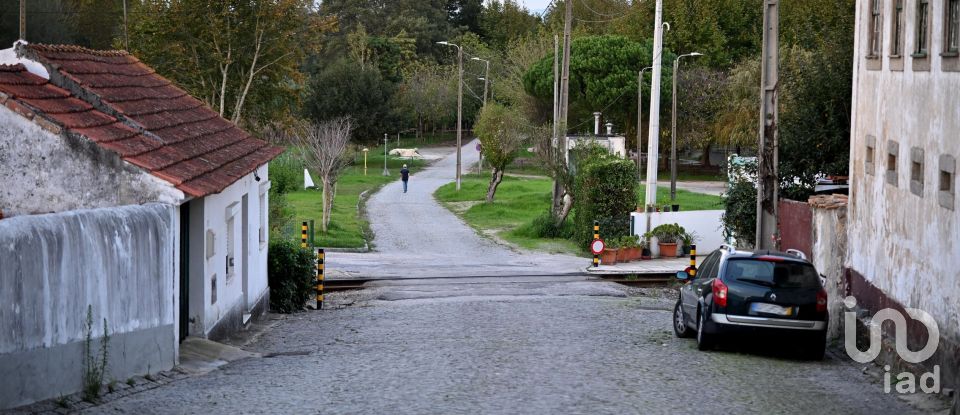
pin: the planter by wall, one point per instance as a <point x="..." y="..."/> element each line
<point x="668" y="250"/>
<point x="608" y="257"/>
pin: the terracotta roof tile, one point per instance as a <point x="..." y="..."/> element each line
<point x="185" y="142"/>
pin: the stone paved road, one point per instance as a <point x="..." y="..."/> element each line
<point x="417" y="237"/>
<point x="518" y="345"/>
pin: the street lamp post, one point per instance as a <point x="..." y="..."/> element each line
<point x="673" y="134"/>
<point x="459" y="104"/>
<point x="386" y="143"/>
<point x="486" y="76"/>
<point x="640" y="122"/>
<point x="365" y="151"/>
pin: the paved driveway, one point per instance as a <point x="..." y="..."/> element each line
<point x="533" y="345"/>
<point x="417" y="237"/>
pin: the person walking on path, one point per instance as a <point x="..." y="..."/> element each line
<point x="405" y="177"/>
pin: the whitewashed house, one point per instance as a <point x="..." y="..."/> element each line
<point x="903" y="234"/>
<point x="95" y="130"/>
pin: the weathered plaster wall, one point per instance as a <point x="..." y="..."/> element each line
<point x="904" y="243"/>
<point x="708" y="224"/>
<point x="220" y="298"/>
<point x="44" y="172"/>
<point x="119" y="261"/>
<point x="828" y="251"/>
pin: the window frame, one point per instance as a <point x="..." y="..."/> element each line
<point x="896" y="34"/>
<point x="948" y="167"/>
<point x="893" y="158"/>
<point x="917" y="171"/>
<point x="951" y="28"/>
<point x="875" y="38"/>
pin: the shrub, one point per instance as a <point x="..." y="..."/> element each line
<point x="740" y="205"/>
<point x="286" y="174"/>
<point x="669" y="233"/>
<point x="544" y="226"/>
<point x="291" y="275"/>
<point x="606" y="192"/>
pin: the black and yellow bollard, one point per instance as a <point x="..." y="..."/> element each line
<point x="596" y="236"/>
<point x="320" y="257"/>
<point x="693" y="261"/>
<point x="303" y="235"/>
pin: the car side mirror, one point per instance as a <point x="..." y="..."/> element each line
<point x="683" y="276"/>
<point x="823" y="280"/>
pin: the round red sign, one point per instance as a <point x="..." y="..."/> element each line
<point x="597" y="246"/>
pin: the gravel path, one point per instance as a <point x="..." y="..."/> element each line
<point x="529" y="346"/>
<point x="416" y="237"/>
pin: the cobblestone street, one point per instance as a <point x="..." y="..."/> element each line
<point x="521" y="345"/>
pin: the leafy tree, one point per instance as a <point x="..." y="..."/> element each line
<point x="88" y="23"/>
<point x="324" y="148"/>
<point x="502" y="21"/>
<point x="341" y="89"/>
<point x="465" y="14"/>
<point x="700" y="94"/>
<point x="427" y="97"/>
<point x="501" y="132"/>
<point x="737" y="122"/>
<point x="241" y="56"/>
<point x="603" y="78"/>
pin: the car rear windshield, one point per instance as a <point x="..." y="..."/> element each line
<point x="785" y="274"/>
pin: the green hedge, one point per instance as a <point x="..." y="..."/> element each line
<point x="291" y="275"/>
<point x="605" y="191"/>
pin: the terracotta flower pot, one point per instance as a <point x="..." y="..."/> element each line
<point x="623" y="255"/>
<point x="668" y="250"/>
<point x="608" y="257"/>
<point x="634" y="254"/>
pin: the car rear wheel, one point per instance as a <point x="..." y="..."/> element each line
<point x="704" y="340"/>
<point x="680" y="327"/>
<point x="816" y="346"/>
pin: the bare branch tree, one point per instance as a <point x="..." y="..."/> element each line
<point x="324" y="147"/>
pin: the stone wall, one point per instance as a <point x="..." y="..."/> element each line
<point x="119" y="262"/>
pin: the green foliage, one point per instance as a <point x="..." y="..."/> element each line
<point x="629" y="241"/>
<point x="286" y="173"/>
<point x="669" y="233"/>
<point x="500" y="130"/>
<point x="605" y="191"/>
<point x="94" y="365"/>
<point x="740" y="212"/>
<point x="291" y="275"/>
<point x="603" y="76"/>
<point x="341" y="89"/>
<point x="502" y="21"/>
<point x="544" y="226"/>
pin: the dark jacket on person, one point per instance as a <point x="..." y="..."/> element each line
<point x="404" y="174"/>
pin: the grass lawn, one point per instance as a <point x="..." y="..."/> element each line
<point x="347" y="228"/>
<point x="520" y="200"/>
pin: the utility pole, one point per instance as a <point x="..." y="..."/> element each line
<point x="768" y="181"/>
<point x="673" y="130"/>
<point x="459" y="105"/>
<point x="23" y="19"/>
<point x="640" y="122"/>
<point x="562" y="106"/>
<point x="653" y="138"/>
<point x="555" y="140"/>
<point x="126" y="39"/>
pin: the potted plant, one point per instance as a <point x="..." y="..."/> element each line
<point x="623" y="254"/>
<point x="645" y="252"/>
<point x="633" y="242"/>
<point x="609" y="255"/>
<point x="689" y="238"/>
<point x="668" y="235"/>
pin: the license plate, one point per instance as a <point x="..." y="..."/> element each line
<point x="771" y="309"/>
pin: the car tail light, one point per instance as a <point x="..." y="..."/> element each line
<point x="719" y="292"/>
<point x="822" y="301"/>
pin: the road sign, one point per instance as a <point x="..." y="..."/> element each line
<point x="597" y="246"/>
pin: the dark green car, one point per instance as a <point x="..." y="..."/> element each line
<point x="766" y="292"/>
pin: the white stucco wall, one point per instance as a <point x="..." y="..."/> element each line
<point x="235" y="295"/>
<point x="45" y="172"/>
<point x="119" y="261"/>
<point x="905" y="244"/>
<point x="708" y="224"/>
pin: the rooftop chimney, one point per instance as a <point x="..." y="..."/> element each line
<point x="596" y="123"/>
<point x="609" y="128"/>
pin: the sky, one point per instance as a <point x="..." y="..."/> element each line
<point x="536" y="6"/>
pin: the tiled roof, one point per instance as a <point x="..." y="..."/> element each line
<point x="183" y="141"/>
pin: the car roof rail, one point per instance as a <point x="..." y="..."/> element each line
<point x="729" y="248"/>
<point x="797" y="253"/>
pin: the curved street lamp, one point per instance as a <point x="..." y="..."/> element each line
<point x="459" y="104"/>
<point x="673" y="134"/>
<point x="640" y="121"/>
